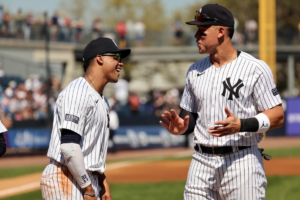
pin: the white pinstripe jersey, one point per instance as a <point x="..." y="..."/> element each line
<point x="81" y="109"/>
<point x="2" y="128"/>
<point x="245" y="85"/>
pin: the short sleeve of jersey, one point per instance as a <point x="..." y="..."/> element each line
<point x="188" y="101"/>
<point x="2" y="128"/>
<point x="265" y="91"/>
<point x="74" y="107"/>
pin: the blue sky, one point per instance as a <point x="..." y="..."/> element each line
<point x="38" y="6"/>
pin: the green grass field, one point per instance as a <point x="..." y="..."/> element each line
<point x="288" y="152"/>
<point x="18" y="171"/>
<point x="279" y="188"/>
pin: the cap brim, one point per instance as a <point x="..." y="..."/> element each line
<point x="201" y="23"/>
<point x="123" y="52"/>
<point x="206" y="23"/>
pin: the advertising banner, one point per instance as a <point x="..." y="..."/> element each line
<point x="131" y="137"/>
<point x="146" y="137"/>
<point x="28" y="138"/>
<point x="293" y="117"/>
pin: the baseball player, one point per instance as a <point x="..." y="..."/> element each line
<point x="2" y="139"/>
<point x="229" y="100"/>
<point x="79" y="137"/>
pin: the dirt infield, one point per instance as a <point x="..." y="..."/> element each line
<point x="138" y="172"/>
<point x="145" y="172"/>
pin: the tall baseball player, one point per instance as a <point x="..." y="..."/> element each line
<point x="2" y="139"/>
<point x="229" y="100"/>
<point x="79" y="137"/>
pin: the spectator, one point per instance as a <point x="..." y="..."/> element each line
<point x="2" y="73"/>
<point x="1" y="19"/>
<point x="159" y="102"/>
<point x="54" y="26"/>
<point x="43" y="21"/>
<point x="19" y="22"/>
<point x="178" y="31"/>
<point x="121" y="91"/>
<point x="251" y="29"/>
<point x="5" y="27"/>
<point x="27" y="26"/>
<point x="79" y="24"/>
<point x="113" y="126"/>
<point x="134" y="103"/>
<point x="121" y="31"/>
<point x="139" y="30"/>
<point x="62" y="29"/>
<point x="97" y="28"/>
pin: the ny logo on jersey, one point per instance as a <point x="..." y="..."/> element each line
<point x="227" y="86"/>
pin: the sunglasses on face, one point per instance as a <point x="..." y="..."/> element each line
<point x="200" y="17"/>
<point x="117" y="56"/>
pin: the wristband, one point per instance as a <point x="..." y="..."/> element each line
<point x="91" y="195"/>
<point x="258" y="124"/>
<point x="249" y="125"/>
<point x="264" y="122"/>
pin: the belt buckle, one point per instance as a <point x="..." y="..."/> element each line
<point x="213" y="150"/>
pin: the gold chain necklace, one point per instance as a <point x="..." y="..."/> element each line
<point x="91" y="82"/>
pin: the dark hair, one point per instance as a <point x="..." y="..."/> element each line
<point x="86" y="64"/>
<point x="230" y="31"/>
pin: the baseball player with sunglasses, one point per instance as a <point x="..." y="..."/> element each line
<point x="229" y="100"/>
<point x="79" y="137"/>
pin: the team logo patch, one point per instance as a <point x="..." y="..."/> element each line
<point x="275" y="91"/>
<point x="85" y="178"/>
<point x="227" y="86"/>
<point x="72" y="118"/>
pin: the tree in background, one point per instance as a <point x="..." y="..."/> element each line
<point x="150" y="12"/>
<point x="76" y="8"/>
<point x="287" y="16"/>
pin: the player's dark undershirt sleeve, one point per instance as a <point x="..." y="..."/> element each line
<point x="68" y="136"/>
<point x="2" y="144"/>
<point x="192" y="120"/>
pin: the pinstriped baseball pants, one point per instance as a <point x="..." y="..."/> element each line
<point x="239" y="176"/>
<point x="57" y="183"/>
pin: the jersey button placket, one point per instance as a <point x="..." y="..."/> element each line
<point x="213" y="99"/>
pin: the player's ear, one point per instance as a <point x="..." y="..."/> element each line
<point x="99" y="59"/>
<point x="221" y="30"/>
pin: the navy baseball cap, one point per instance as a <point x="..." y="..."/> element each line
<point x="101" y="46"/>
<point x="213" y="14"/>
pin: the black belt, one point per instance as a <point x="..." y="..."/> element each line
<point x="219" y="150"/>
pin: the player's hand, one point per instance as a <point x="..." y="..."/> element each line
<point x="174" y="124"/>
<point x="89" y="189"/>
<point x="229" y="126"/>
<point x="105" y="193"/>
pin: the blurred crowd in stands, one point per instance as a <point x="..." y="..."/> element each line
<point x="31" y="99"/>
<point x="62" y="28"/>
<point x="28" y="99"/>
